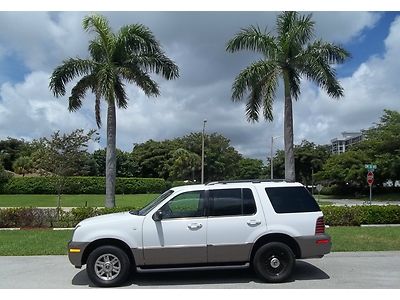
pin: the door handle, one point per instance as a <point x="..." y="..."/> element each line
<point x="195" y="226"/>
<point x="253" y="222"/>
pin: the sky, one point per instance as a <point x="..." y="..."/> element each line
<point x="33" y="43"/>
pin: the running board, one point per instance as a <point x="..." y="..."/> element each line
<point x="194" y="268"/>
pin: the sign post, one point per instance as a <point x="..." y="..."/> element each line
<point x="319" y="188"/>
<point x="370" y="179"/>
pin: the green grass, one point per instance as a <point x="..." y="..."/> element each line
<point x="34" y="242"/>
<point x="365" y="238"/>
<point x="137" y="200"/>
<point x="49" y="242"/>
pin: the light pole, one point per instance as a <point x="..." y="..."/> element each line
<point x="272" y="154"/>
<point x="202" y="151"/>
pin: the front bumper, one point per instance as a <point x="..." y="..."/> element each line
<point x="314" y="245"/>
<point x="75" y="253"/>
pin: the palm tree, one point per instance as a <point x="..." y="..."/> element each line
<point x="129" y="55"/>
<point x="290" y="54"/>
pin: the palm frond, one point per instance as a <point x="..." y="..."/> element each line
<point x="259" y="80"/>
<point x="315" y="62"/>
<point x="70" y="69"/>
<point x="252" y="38"/>
<point x="294" y="82"/>
<point x="78" y="92"/>
<point x="156" y="62"/>
<point x="133" y="74"/>
<point x="99" y="24"/>
<point x="259" y="70"/>
<point x="97" y="51"/>
<point x="329" y="52"/>
<point x="120" y="94"/>
<point x="136" y="38"/>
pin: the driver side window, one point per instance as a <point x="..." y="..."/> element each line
<point x="185" y="205"/>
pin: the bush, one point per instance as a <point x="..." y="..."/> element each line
<point x="357" y="215"/>
<point x="81" y="185"/>
<point x="334" y="215"/>
<point x="27" y="217"/>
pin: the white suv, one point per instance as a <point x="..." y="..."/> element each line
<point x="263" y="224"/>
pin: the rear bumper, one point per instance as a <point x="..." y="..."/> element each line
<point x="75" y="253"/>
<point x="314" y="246"/>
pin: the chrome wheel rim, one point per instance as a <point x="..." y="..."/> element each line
<point x="107" y="267"/>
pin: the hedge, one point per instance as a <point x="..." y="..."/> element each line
<point x="334" y="215"/>
<point x="357" y="215"/>
<point x="82" y="185"/>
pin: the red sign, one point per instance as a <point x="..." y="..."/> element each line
<point x="370" y="178"/>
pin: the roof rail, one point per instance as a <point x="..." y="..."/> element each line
<point x="246" y="180"/>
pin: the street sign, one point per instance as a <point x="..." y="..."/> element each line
<point x="370" y="167"/>
<point x="319" y="187"/>
<point x="370" y="177"/>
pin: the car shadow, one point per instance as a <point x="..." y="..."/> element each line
<point x="303" y="271"/>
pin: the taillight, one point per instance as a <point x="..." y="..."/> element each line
<point x="320" y="226"/>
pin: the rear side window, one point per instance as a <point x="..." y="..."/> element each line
<point x="232" y="202"/>
<point x="291" y="200"/>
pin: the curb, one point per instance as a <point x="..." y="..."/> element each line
<point x="380" y="225"/>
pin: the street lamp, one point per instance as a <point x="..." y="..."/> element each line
<point x="272" y="153"/>
<point x="202" y="151"/>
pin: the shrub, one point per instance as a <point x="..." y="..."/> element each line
<point x="334" y="215"/>
<point x="27" y="217"/>
<point x="81" y="185"/>
<point x="357" y="215"/>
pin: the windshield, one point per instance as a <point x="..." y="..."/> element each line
<point x="154" y="203"/>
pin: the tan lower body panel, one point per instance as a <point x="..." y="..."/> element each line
<point x="194" y="255"/>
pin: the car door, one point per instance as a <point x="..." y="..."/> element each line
<point x="233" y="223"/>
<point x="180" y="236"/>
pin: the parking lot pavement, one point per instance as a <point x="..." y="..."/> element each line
<point x="336" y="270"/>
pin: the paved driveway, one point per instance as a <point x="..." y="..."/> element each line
<point x="336" y="270"/>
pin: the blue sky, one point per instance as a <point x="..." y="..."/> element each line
<point x="32" y="44"/>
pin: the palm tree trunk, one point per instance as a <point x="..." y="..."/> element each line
<point x="290" y="174"/>
<point x="111" y="155"/>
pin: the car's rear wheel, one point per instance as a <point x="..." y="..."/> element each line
<point x="108" y="266"/>
<point x="274" y="262"/>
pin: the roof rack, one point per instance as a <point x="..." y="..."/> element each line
<point x="246" y="180"/>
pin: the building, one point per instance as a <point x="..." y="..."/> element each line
<point x="341" y="145"/>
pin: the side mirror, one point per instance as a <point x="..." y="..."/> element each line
<point x="158" y="215"/>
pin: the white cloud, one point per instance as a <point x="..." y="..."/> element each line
<point x="29" y="110"/>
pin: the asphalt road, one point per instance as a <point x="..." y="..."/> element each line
<point x="336" y="270"/>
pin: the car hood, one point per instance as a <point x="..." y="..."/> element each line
<point x="109" y="218"/>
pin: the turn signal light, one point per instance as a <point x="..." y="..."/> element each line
<point x="74" y="250"/>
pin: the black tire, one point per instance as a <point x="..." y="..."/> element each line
<point x="112" y="269"/>
<point x="274" y="262"/>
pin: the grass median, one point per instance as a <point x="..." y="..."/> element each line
<point x="51" y="242"/>
<point x="23" y="200"/>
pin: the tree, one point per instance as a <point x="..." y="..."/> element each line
<point x="250" y="168"/>
<point x="62" y="155"/>
<point x="4" y="175"/>
<point x="184" y="164"/>
<point x="128" y="55"/>
<point x="290" y="55"/>
<point x="309" y="158"/>
<point x="23" y="165"/>
<point x="11" y="149"/>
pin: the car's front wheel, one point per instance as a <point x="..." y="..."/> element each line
<point x="274" y="262"/>
<point x="108" y="266"/>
